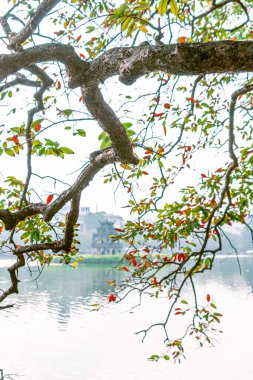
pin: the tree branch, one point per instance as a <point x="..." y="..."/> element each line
<point x="132" y="63"/>
<point x="37" y="16"/>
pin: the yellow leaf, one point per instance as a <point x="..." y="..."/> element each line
<point x="66" y="24"/>
<point x="74" y="265"/>
<point x="125" y="24"/>
<point x="143" y="29"/>
<point x="125" y="166"/>
<point x="162" y="7"/>
<point x="173" y="7"/>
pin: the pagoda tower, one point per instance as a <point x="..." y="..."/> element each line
<point x="102" y="243"/>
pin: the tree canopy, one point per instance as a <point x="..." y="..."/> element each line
<point x="175" y="135"/>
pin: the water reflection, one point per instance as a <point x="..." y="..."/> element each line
<point x="51" y="326"/>
<point x="61" y="290"/>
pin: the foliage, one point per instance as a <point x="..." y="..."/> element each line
<point x="191" y="133"/>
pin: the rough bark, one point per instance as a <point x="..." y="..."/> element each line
<point x="134" y="62"/>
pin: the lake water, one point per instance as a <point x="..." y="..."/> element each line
<point x="50" y="334"/>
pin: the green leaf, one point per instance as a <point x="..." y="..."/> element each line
<point x="66" y="150"/>
<point x="105" y="143"/>
<point x="10" y="152"/>
<point x="127" y="125"/>
<point x="162" y="7"/>
<point x="81" y="132"/>
<point x="102" y="135"/>
<point x="154" y="357"/>
<point x="67" y="112"/>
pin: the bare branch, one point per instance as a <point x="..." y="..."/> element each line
<point x="36" y="18"/>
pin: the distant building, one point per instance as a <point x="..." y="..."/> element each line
<point x="91" y="221"/>
<point x="102" y="243"/>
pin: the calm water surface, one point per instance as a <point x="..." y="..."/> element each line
<point x="50" y="334"/>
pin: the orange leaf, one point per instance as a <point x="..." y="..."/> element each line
<point x="124" y="268"/>
<point x="208" y="297"/>
<point x="15" y="139"/>
<point x="167" y="106"/>
<point x="182" y="39"/>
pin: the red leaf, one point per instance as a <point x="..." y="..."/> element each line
<point x="213" y="203"/>
<point x="37" y="127"/>
<point x="112" y="298"/>
<point x="58" y="84"/>
<point x="15" y="139"/>
<point x="203" y="176"/>
<point x="208" y="297"/>
<point x="178" y="312"/>
<point x="119" y="229"/>
<point x="167" y="106"/>
<point x="49" y="199"/>
<point x="146" y="250"/>
<point x="158" y="114"/>
<point x="180" y="256"/>
<point x="82" y="56"/>
<point x="145" y="173"/>
<point x="134" y="262"/>
<point x="156" y="100"/>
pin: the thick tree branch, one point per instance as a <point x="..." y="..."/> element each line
<point x="11" y="63"/>
<point x="110" y="123"/>
<point x="132" y="63"/>
<point x="11" y="219"/>
<point x="178" y="59"/>
<point x="104" y="158"/>
<point x="13" y="276"/>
